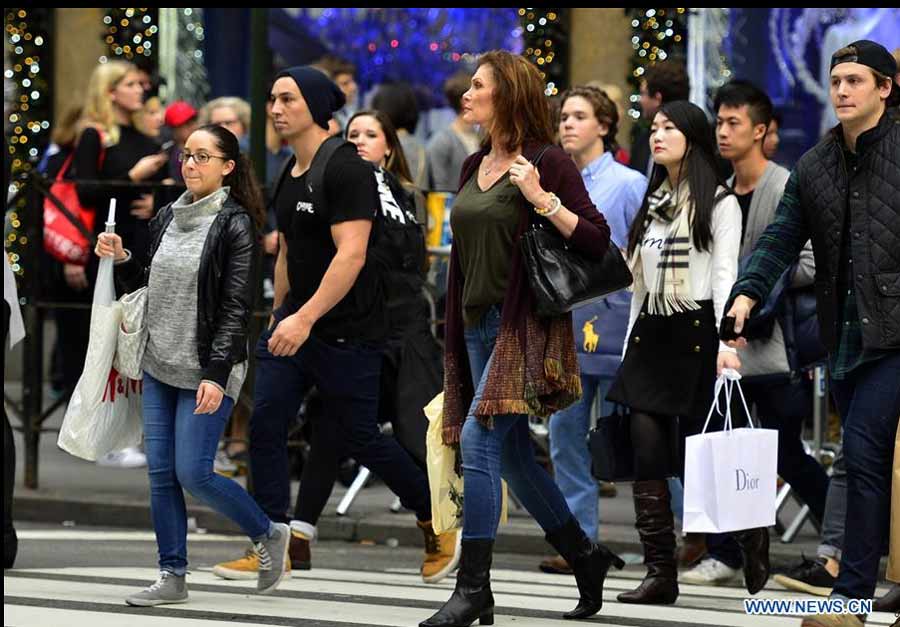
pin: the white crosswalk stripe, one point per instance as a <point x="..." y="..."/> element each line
<point x="72" y="597"/>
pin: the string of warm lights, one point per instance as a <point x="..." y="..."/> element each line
<point x="657" y="34"/>
<point x="545" y="32"/>
<point x="130" y="33"/>
<point x="26" y="107"/>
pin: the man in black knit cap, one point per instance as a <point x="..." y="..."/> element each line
<point x="328" y="320"/>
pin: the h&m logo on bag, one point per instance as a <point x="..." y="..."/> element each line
<point x="745" y="481"/>
<point x="116" y="384"/>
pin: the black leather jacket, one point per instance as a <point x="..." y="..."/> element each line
<point x="224" y="288"/>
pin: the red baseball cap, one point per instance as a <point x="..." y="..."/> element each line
<point x="179" y="113"/>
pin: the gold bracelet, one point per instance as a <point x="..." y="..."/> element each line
<point x="554" y="205"/>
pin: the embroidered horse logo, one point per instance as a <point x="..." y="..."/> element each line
<point x="590" y="336"/>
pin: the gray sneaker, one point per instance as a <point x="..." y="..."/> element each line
<point x="169" y="588"/>
<point x="273" y="554"/>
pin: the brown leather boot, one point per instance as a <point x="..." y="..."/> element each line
<point x="656" y="526"/>
<point x="556" y="565"/>
<point x="298" y="551"/>
<point x="692" y="549"/>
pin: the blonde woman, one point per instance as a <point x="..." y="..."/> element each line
<point x="111" y="148"/>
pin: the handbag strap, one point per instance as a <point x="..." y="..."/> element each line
<point x="71" y="217"/>
<point x="540" y="155"/>
<point x="534" y="218"/>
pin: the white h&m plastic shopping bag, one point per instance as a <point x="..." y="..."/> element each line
<point x="104" y="413"/>
<point x="730" y="476"/>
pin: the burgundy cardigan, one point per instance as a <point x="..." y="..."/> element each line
<point x="535" y="367"/>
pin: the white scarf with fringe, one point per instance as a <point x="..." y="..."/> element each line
<point x="671" y="292"/>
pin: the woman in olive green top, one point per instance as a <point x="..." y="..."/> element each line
<point x="502" y="362"/>
<point x="484" y="227"/>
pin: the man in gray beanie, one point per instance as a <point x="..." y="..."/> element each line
<point x="328" y="320"/>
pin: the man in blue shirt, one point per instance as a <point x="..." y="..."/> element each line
<point x="587" y="131"/>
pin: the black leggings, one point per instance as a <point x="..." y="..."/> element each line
<point x="653" y="439"/>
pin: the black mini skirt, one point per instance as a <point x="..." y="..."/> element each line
<point x="670" y="364"/>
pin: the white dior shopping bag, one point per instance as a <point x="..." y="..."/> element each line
<point x="730" y="476"/>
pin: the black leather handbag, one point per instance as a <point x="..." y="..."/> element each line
<point x="562" y="279"/>
<point x="612" y="455"/>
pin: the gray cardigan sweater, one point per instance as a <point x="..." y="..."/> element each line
<point x="770" y="356"/>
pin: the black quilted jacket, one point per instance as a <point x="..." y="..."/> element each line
<point x="815" y="206"/>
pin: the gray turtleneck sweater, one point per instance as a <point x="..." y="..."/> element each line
<point x="171" y="354"/>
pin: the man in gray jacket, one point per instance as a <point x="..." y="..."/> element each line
<point x="782" y="397"/>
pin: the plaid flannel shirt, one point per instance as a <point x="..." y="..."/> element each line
<point x="778" y="247"/>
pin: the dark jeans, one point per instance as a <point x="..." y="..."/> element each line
<point x="347" y="376"/>
<point x="869" y="403"/>
<point x="320" y="470"/>
<point x="781" y="405"/>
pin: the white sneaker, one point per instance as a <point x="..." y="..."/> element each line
<point x="126" y="458"/>
<point x="709" y="572"/>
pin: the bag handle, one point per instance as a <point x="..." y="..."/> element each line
<point x="729" y="379"/>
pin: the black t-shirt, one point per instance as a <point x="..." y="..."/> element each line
<point x="350" y="194"/>
<point x="744" y="201"/>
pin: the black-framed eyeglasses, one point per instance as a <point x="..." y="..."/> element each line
<point x="200" y="158"/>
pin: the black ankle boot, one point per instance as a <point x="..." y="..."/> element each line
<point x="472" y="598"/>
<point x="754" y="545"/>
<point x="890" y="602"/>
<point x="590" y="563"/>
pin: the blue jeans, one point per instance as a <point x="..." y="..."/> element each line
<point x="180" y="448"/>
<point x="869" y="403"/>
<point x="835" y="511"/>
<point x="571" y="456"/>
<point x="348" y="378"/>
<point x="503" y="451"/>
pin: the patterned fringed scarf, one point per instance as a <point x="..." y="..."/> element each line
<point x="538" y="378"/>
<point x="535" y="366"/>
<point x="671" y="292"/>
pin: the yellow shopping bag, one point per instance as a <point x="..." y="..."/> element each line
<point x="444" y="483"/>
